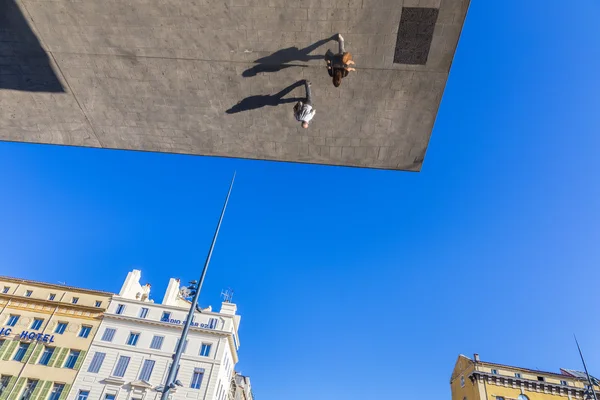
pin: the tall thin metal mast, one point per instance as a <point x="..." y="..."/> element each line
<point x="170" y="383"/>
<point x="586" y="371"/>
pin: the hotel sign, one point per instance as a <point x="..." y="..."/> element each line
<point x="26" y="335"/>
<point x="212" y="323"/>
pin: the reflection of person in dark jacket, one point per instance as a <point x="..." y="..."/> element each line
<point x="338" y="65"/>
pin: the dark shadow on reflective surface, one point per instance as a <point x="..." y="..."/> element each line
<point x="259" y="101"/>
<point x="278" y="60"/>
<point x="24" y="65"/>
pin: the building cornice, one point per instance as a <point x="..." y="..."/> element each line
<point x="55" y="286"/>
<point x="167" y="307"/>
<point x="18" y="299"/>
<point x="531" y="385"/>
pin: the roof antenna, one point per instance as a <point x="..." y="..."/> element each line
<point x="591" y="388"/>
<point x="227" y="295"/>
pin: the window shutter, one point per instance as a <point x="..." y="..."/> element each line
<point x="53" y="356"/>
<point x="61" y="358"/>
<point x="65" y="392"/>
<point x="3" y="347"/>
<point x="79" y="360"/>
<point x="17" y="389"/>
<point x="28" y="351"/>
<point x="44" y="392"/>
<point x="37" y="389"/>
<point x="36" y="354"/>
<point x="10" y="349"/>
<point x="8" y="388"/>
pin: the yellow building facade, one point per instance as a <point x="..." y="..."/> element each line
<point x="45" y="332"/>
<point x="473" y="379"/>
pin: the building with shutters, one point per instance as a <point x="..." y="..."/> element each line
<point x="130" y="356"/>
<point x="473" y="379"/>
<point x="45" y="332"/>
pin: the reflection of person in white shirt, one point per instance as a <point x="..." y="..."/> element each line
<point x="303" y="111"/>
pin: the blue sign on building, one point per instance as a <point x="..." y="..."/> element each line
<point x="26" y="335"/>
<point x="212" y="323"/>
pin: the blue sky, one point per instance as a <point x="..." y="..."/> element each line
<point x="352" y="282"/>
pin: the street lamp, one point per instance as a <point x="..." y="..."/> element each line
<point x="192" y="290"/>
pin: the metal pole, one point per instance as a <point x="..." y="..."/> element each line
<point x="169" y="384"/>
<point x="586" y="371"/>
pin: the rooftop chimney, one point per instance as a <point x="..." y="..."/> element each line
<point x="228" y="308"/>
<point x="476" y="357"/>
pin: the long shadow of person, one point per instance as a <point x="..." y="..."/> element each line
<point x="259" y="101"/>
<point x="277" y="61"/>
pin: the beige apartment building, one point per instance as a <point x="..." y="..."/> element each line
<point x="45" y="333"/>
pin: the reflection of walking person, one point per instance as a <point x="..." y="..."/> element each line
<point x="338" y="65"/>
<point x="303" y="111"/>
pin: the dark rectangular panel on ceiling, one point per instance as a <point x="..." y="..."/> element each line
<point x="415" y="34"/>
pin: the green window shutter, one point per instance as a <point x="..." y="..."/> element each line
<point x="8" y="388"/>
<point x="65" y="392"/>
<point x="17" y="390"/>
<point x="54" y="355"/>
<point x="36" y="354"/>
<point x="60" y="360"/>
<point x="44" y="391"/>
<point x="37" y="389"/>
<point x="10" y="349"/>
<point x="3" y="347"/>
<point x="28" y="351"/>
<point x="80" y="359"/>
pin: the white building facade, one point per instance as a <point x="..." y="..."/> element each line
<point x="132" y="351"/>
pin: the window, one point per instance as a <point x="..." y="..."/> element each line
<point x="72" y="359"/>
<point x="28" y="294"/>
<point x="52" y="296"/>
<point x="146" y="372"/>
<point x="85" y="331"/>
<point x="184" y="345"/>
<point x="109" y="397"/>
<point x="157" y="342"/>
<point x="205" y="349"/>
<point x="522" y="397"/>
<point x="197" y="378"/>
<point x="48" y="351"/>
<point x="121" y="366"/>
<point x="564" y="383"/>
<point x="75" y="300"/>
<point x="495" y="371"/>
<point x="96" y="363"/>
<point x="517" y="375"/>
<point x="83" y="395"/>
<point x="109" y="334"/>
<point x="60" y="328"/>
<point x="143" y="312"/>
<point x="98" y="303"/>
<point x="12" y="320"/>
<point x="499" y="398"/>
<point x="37" y="323"/>
<point x="462" y="381"/>
<point x="120" y="309"/>
<point x="4" y="379"/>
<point x="29" y="388"/>
<point x="212" y="323"/>
<point x="166" y="316"/>
<point x="133" y="339"/>
<point x="540" y="379"/>
<point x="6" y="289"/>
<point x="21" y="351"/>
<point x="56" y="391"/>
